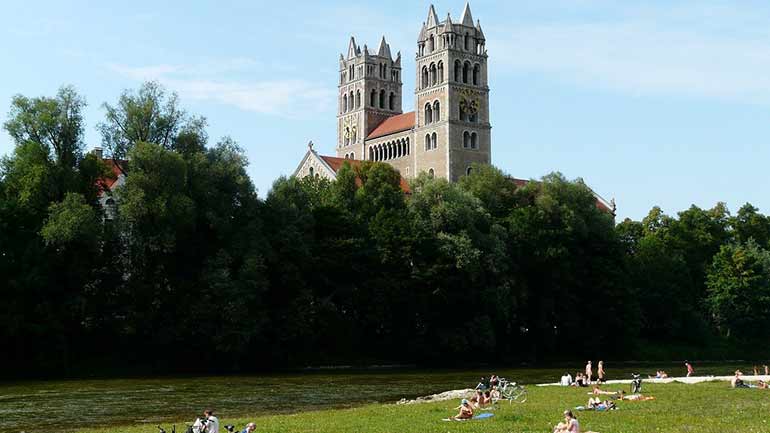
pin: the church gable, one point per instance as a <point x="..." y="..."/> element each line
<point x="313" y="164"/>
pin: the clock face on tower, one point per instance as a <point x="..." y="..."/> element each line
<point x="469" y="102"/>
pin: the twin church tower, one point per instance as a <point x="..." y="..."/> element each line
<point x="449" y="129"/>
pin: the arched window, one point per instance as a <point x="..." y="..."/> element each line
<point x="433" y="74"/>
<point x="382" y="98"/>
<point x="466" y="140"/>
<point x="346" y="156"/>
<point x="311" y="171"/>
<point x="110" y="209"/>
<point x="476" y="73"/>
<point x="424" y="76"/>
<point x="466" y="71"/>
<point x="352" y="155"/>
<point x="467" y="42"/>
<point x="430" y="173"/>
<point x="350" y="99"/>
<point x="433" y="140"/>
<point x="347" y="136"/>
<point x="353" y="137"/>
<point x="392" y="101"/>
<point x="474" y="141"/>
<point x="384" y="70"/>
<point x="436" y="111"/>
<point x="431" y="44"/>
<point x="427" y="141"/>
<point x="428" y="113"/>
<point x="351" y="72"/>
<point x="458" y="71"/>
<point x="440" y="72"/>
<point x="358" y="99"/>
<point x="407" y="146"/>
<point x="373" y="98"/>
<point x="371" y="154"/>
<point x="468" y="171"/>
<point x="344" y="103"/>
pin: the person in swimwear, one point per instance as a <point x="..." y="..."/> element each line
<point x="466" y="411"/>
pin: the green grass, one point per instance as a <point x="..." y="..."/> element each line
<point x="702" y="408"/>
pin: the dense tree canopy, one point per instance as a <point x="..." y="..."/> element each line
<point x="194" y="271"/>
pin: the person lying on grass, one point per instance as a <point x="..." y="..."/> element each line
<point x="598" y="391"/>
<point x="466" y="411"/>
<point x="635" y="397"/>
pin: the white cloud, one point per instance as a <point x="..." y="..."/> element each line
<point x="650" y="51"/>
<point x="286" y="97"/>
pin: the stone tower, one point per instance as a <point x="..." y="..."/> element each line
<point x="369" y="92"/>
<point x="452" y="128"/>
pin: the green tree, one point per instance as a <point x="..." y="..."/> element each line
<point x="739" y="290"/>
<point x="748" y="224"/>
<point x="149" y="115"/>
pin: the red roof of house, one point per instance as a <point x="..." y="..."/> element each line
<point x="109" y="181"/>
<point x="336" y="163"/>
<point x="391" y="125"/>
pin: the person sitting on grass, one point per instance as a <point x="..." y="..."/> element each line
<point x="250" y="427"/>
<point x="476" y="398"/>
<point x="570" y="424"/>
<point x="495" y="393"/>
<point x="486" y="399"/>
<point x="466" y="411"/>
<point x="737" y="380"/>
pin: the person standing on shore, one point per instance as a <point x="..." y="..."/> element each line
<point x="600" y="372"/>
<point x="589" y="372"/>
<point x="690" y="370"/>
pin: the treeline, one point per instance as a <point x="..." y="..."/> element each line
<point x="191" y="270"/>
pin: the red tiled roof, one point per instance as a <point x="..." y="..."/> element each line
<point x="336" y="163"/>
<point x="108" y="182"/>
<point x="398" y="123"/>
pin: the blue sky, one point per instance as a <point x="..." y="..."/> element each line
<point x="652" y="103"/>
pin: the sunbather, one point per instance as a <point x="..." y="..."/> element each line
<point x="570" y="424"/>
<point x="466" y="411"/>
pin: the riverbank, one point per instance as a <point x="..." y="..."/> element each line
<point x="710" y="407"/>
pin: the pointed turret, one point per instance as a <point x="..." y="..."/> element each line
<point x="433" y="18"/>
<point x="479" y="34"/>
<point x="366" y="50"/>
<point x="397" y="62"/>
<point x="422" y="33"/>
<point x="448" y="26"/>
<point x="467" y="18"/>
<point x="352" y="48"/>
<point x="384" y="49"/>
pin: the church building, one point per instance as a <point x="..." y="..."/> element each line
<point x="448" y="131"/>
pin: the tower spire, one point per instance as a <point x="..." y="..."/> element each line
<point x="432" y="18"/>
<point x="467" y="18"/>
<point x="352" y="48"/>
<point x="384" y="49"/>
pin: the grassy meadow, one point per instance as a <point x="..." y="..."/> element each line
<point x="703" y="408"/>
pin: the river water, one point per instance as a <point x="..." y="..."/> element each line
<point x="66" y="405"/>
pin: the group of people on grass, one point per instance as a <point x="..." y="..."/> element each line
<point x="738" y="382"/>
<point x="484" y="396"/>
<point x="586" y="378"/>
<point x="209" y="423"/>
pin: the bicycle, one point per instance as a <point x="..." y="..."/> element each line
<point x="512" y="391"/>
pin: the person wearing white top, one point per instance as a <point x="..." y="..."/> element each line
<point x="208" y="424"/>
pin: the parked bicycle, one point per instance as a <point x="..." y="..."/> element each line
<point x="511" y="391"/>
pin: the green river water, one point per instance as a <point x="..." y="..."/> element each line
<point x="65" y="405"/>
